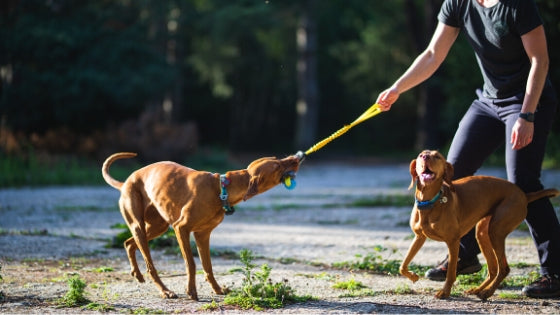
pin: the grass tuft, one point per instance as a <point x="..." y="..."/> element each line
<point x="257" y="290"/>
<point x="75" y="295"/>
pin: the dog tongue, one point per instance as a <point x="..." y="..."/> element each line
<point x="427" y="176"/>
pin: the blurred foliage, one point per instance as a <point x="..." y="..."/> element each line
<point x="230" y="66"/>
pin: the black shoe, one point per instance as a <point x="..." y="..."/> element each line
<point x="464" y="267"/>
<point x="547" y="286"/>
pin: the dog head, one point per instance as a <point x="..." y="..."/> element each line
<point x="430" y="168"/>
<point x="268" y="172"/>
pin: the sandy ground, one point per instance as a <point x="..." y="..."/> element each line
<point x="50" y="233"/>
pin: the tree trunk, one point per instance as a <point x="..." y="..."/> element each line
<point x="427" y="133"/>
<point x="307" y="106"/>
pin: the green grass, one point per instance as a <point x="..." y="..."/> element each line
<point x="167" y="242"/>
<point x="375" y="262"/>
<point x="31" y="169"/>
<point x="34" y="171"/>
<point x="257" y="290"/>
<point x="75" y="295"/>
<point x="351" y="285"/>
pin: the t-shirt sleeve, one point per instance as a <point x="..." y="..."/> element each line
<point x="449" y="13"/>
<point x="527" y="17"/>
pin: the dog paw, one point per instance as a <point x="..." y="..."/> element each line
<point x="193" y="295"/>
<point x="484" y="294"/>
<point x="473" y="291"/>
<point x="222" y="290"/>
<point x="138" y="276"/>
<point x="167" y="294"/>
<point x="442" y="294"/>
<point x="410" y="275"/>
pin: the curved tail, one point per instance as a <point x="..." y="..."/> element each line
<point x="550" y="193"/>
<point x="105" y="169"/>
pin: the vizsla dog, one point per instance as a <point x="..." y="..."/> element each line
<point x="446" y="210"/>
<point x="167" y="194"/>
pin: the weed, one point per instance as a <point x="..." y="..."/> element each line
<point x="510" y="296"/>
<point x="520" y="281"/>
<point x="145" y="310"/>
<point x="354" y="289"/>
<point x="103" y="269"/>
<point x="402" y="289"/>
<point x="359" y="293"/>
<point x="351" y="285"/>
<point x="257" y="289"/>
<point x="75" y="295"/>
<point x="99" y="307"/>
<point x="374" y="262"/>
<point x="212" y="306"/>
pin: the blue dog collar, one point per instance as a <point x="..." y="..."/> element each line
<point x="429" y="204"/>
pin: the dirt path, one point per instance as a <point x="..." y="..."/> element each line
<point x="49" y="233"/>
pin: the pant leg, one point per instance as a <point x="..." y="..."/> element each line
<point x="479" y="134"/>
<point x="524" y="169"/>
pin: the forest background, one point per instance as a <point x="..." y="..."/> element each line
<point x="194" y="79"/>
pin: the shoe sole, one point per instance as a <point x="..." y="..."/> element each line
<point x="465" y="271"/>
<point x="542" y="296"/>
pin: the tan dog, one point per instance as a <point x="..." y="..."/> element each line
<point x="167" y="194"/>
<point x="446" y="210"/>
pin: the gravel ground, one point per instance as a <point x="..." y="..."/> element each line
<point x="50" y="233"/>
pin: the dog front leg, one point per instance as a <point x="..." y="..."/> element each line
<point x="203" y="244"/>
<point x="453" y="248"/>
<point x="417" y="243"/>
<point x="183" y="238"/>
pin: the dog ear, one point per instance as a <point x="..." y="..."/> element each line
<point x="412" y="174"/>
<point x="253" y="188"/>
<point x="448" y="176"/>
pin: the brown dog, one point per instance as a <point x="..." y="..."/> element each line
<point x="445" y="211"/>
<point x="167" y="194"/>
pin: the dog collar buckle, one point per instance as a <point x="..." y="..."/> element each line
<point x="224" y="181"/>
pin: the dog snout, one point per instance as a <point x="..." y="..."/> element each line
<point x="424" y="155"/>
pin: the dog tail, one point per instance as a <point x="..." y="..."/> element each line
<point x="550" y="193"/>
<point x="105" y="169"/>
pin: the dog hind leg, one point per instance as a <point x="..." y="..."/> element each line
<point x="157" y="227"/>
<point x="132" y="209"/>
<point x="498" y="239"/>
<point x="483" y="239"/>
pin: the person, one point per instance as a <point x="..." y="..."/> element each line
<point x="517" y="100"/>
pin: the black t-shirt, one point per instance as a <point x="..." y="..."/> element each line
<point x="495" y="35"/>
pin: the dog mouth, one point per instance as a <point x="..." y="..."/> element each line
<point x="427" y="174"/>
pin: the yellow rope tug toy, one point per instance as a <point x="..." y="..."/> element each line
<point x="289" y="183"/>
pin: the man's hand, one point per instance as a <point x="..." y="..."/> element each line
<point x="387" y="98"/>
<point x="522" y="134"/>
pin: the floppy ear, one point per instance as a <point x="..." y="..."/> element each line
<point x="448" y="176"/>
<point x="413" y="173"/>
<point x="253" y="188"/>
